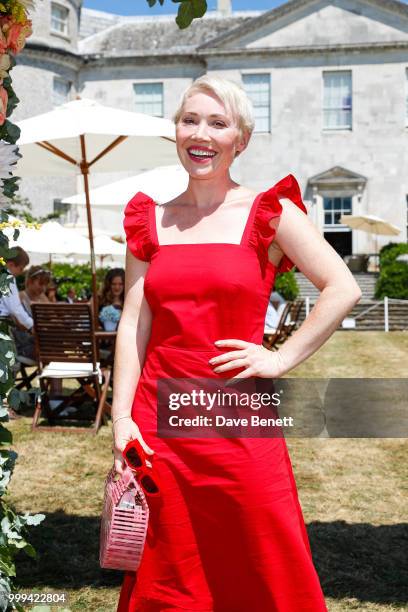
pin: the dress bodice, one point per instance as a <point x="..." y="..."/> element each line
<point x="199" y="293"/>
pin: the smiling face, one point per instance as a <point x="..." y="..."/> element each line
<point x="38" y="285"/>
<point x="116" y="286"/>
<point x="207" y="136"/>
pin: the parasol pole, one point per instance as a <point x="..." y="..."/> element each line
<point x="84" y="166"/>
<point x="85" y="173"/>
<point x="376" y="258"/>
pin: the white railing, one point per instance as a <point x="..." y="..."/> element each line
<point x="380" y="303"/>
<point x="349" y="322"/>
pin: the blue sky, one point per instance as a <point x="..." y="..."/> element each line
<point x="140" y="7"/>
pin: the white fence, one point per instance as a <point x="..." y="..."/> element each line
<point x="350" y="322"/>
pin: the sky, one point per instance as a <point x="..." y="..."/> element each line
<point x="140" y="7"/>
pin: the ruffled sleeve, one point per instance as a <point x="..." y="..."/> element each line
<point x="137" y="226"/>
<point x="269" y="208"/>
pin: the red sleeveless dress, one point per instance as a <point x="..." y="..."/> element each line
<point x="229" y="535"/>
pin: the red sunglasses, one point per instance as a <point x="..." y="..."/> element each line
<point x="141" y="464"/>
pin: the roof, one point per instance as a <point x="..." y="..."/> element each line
<point x="157" y="34"/>
<point x="292" y="7"/>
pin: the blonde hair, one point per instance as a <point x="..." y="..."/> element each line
<point x="231" y="95"/>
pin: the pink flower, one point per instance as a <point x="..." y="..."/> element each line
<point x="15" y="34"/>
<point x="3" y="104"/>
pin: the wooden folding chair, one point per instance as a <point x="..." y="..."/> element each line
<point x="273" y="336"/>
<point x="294" y="314"/>
<point x="67" y="349"/>
<point x="23" y="377"/>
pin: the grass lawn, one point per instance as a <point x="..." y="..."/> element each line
<point x="352" y="493"/>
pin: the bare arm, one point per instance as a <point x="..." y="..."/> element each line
<point x="299" y="239"/>
<point x="320" y="263"/>
<point x="132" y="338"/>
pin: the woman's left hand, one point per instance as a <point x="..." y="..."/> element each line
<point x="254" y="358"/>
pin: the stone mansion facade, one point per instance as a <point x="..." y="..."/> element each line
<point x="328" y="80"/>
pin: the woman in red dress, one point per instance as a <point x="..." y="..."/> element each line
<point x="228" y="534"/>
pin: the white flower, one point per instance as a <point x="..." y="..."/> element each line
<point x="8" y="157"/>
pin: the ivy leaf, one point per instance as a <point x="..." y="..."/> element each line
<point x="5" y="435"/>
<point x="18" y="543"/>
<point x="30" y="551"/>
<point x="10" y="132"/>
<point x="7" y="567"/>
<point x="4" y="481"/>
<point x="199" y="7"/>
<point x="10" y="186"/>
<point x="34" y="519"/>
<point x="185" y="14"/>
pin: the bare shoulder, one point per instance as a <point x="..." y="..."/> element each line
<point x="243" y="193"/>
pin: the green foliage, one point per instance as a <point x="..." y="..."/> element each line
<point x="390" y="252"/>
<point x="13" y="536"/>
<point x="187" y="11"/>
<point x="23" y="209"/>
<point x="287" y="286"/>
<point x="393" y="279"/>
<point x="78" y="277"/>
<point x="13" y="527"/>
<point x="12" y="98"/>
<point x="10" y="186"/>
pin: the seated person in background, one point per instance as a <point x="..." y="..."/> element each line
<point x="36" y="283"/>
<point x="113" y="291"/>
<point x="273" y="314"/>
<point x="10" y="305"/>
<point x="71" y="296"/>
<point x="12" y="309"/>
<point x="112" y="296"/>
<point x="110" y="309"/>
<point x="51" y="293"/>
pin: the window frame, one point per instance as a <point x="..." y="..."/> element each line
<point x="269" y="79"/>
<point x="342" y="210"/>
<point x="61" y="79"/>
<point x="341" y="128"/>
<point x="66" y="33"/>
<point x="141" y="83"/>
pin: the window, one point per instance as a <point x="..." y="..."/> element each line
<point x="61" y="209"/>
<point x="334" y="208"/>
<point x="337" y="100"/>
<point x="59" y="19"/>
<point x="406" y="97"/>
<point x="61" y="91"/>
<point x="149" y="98"/>
<point x="258" y="89"/>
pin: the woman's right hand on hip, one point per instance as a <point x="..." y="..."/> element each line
<point x="125" y="430"/>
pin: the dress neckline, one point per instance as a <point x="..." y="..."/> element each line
<point x="244" y="238"/>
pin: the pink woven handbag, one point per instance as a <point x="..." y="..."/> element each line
<point x="124" y="522"/>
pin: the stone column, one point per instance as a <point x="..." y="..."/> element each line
<point x="225" y="7"/>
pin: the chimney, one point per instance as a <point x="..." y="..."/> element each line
<point x="224" y="7"/>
